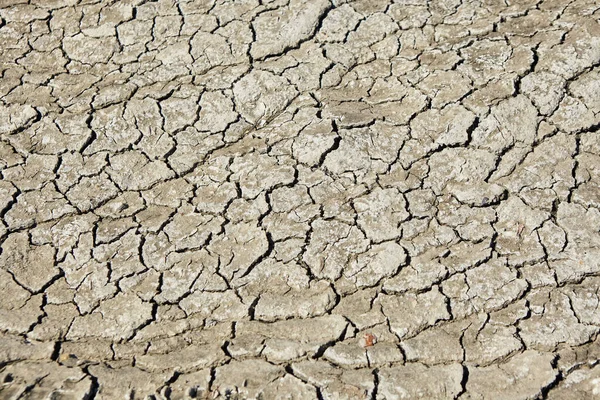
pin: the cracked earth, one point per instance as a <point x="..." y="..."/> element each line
<point x="306" y="199"/>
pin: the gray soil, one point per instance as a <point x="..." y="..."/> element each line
<point x="299" y="199"/>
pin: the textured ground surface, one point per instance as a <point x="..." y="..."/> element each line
<point x="299" y="199"/>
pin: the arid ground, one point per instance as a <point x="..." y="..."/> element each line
<point x="299" y="199"/>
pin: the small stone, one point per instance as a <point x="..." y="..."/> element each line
<point x="367" y="340"/>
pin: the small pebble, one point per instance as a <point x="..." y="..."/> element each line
<point x="368" y="340"/>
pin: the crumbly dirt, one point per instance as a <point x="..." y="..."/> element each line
<point x="299" y="199"/>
